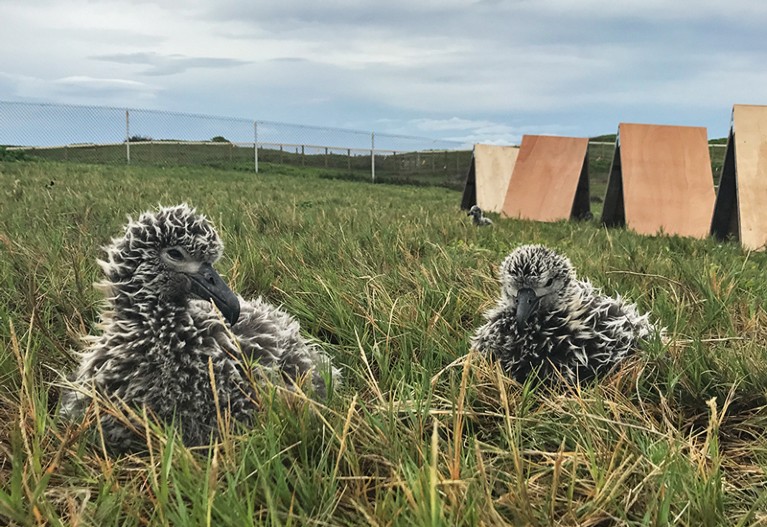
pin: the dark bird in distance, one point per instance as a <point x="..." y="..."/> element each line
<point x="477" y="217"/>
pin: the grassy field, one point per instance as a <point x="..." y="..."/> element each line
<point x="391" y="280"/>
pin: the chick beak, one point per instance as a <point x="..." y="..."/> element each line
<point x="527" y="304"/>
<point x="208" y="285"/>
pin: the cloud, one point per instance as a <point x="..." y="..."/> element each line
<point x="453" y="123"/>
<point x="79" y="89"/>
<point x="158" y="65"/>
<point x="468" y="131"/>
<point x="485" y="70"/>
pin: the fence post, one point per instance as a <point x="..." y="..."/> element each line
<point x="255" y="145"/>
<point x="457" y="164"/>
<point x="373" y="156"/>
<point x="127" y="136"/>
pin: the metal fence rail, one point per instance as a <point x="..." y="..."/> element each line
<point x="94" y="134"/>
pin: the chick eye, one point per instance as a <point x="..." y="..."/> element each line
<point x="175" y="254"/>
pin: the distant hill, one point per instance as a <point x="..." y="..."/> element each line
<point x="607" y="138"/>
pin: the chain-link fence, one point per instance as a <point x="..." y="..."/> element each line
<point x="91" y="134"/>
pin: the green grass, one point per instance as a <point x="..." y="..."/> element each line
<point x="438" y="168"/>
<point x="392" y="280"/>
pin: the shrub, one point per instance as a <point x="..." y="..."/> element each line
<point x="13" y="155"/>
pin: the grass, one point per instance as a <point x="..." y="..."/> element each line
<point x="428" y="168"/>
<point x="392" y="280"/>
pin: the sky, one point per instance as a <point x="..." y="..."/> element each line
<point x="483" y="71"/>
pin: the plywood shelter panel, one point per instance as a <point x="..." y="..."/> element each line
<point x="749" y="126"/>
<point x="667" y="180"/>
<point x="493" y="166"/>
<point x="545" y="177"/>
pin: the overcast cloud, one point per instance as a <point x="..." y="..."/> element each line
<point x="489" y="70"/>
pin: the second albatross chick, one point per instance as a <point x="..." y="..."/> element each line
<point x="477" y="217"/>
<point x="548" y="322"/>
<point x="161" y="337"/>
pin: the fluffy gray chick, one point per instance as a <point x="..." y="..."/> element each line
<point x="548" y="322"/>
<point x="160" y="334"/>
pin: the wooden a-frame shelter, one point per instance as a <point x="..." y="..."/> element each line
<point x="550" y="180"/>
<point x="660" y="181"/>
<point x="741" y="202"/>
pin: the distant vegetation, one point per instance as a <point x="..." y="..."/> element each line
<point x="13" y="155"/>
<point x="438" y="168"/>
<point x="607" y="138"/>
